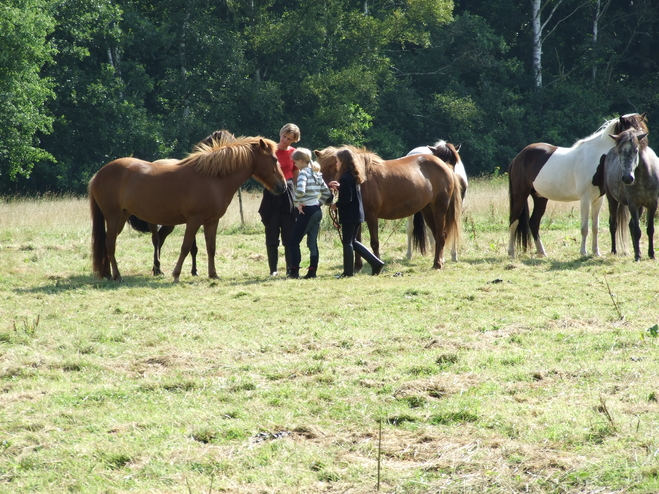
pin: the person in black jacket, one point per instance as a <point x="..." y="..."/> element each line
<point x="351" y="211"/>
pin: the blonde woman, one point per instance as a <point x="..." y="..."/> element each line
<point x="310" y="194"/>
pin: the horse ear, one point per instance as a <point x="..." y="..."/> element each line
<point x="263" y="145"/>
<point x="642" y="135"/>
<point x="317" y="153"/>
<point x="433" y="149"/>
<point x="613" y="136"/>
<point x="457" y="148"/>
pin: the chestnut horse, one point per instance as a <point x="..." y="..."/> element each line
<point x="196" y="191"/>
<point x="547" y="172"/>
<point x="160" y="232"/>
<point x="448" y="153"/>
<point x="399" y="188"/>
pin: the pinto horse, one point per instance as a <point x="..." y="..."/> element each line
<point x="160" y="232"/>
<point x="448" y="153"/>
<point x="631" y="181"/>
<point x="196" y="191"/>
<point x="398" y="188"/>
<point x="548" y="172"/>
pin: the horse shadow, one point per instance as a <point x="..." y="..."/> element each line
<point x="71" y="283"/>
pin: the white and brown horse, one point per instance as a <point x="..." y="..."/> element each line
<point x="548" y="172"/>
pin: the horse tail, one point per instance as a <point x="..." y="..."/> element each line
<point x="138" y="224"/>
<point x="622" y="228"/>
<point x="523" y="230"/>
<point x="100" y="263"/>
<point x="419" y="233"/>
<point x="454" y="215"/>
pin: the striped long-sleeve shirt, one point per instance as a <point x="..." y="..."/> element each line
<point x="311" y="189"/>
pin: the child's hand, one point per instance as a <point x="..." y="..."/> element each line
<point x="299" y="208"/>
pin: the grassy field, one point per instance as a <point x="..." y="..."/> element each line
<point x="492" y="375"/>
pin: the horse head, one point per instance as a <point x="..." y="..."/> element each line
<point x="266" y="167"/>
<point x="629" y="143"/>
<point x="637" y="121"/>
<point x="327" y="160"/>
<point x="446" y="152"/>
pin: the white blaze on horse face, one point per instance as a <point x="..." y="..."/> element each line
<point x="629" y="159"/>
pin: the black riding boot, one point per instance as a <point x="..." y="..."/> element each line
<point x="273" y="257"/>
<point x="376" y="264"/>
<point x="313" y="267"/>
<point x="348" y="261"/>
<point x="287" y="256"/>
<point x="293" y="272"/>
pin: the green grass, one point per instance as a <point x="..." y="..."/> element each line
<point x="493" y="375"/>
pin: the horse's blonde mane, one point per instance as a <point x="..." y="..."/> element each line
<point x="327" y="158"/>
<point x="369" y="158"/>
<point x="222" y="159"/>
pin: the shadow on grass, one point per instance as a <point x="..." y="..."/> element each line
<point x="547" y="262"/>
<point x="70" y="283"/>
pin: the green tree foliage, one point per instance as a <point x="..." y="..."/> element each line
<point x="150" y="79"/>
<point x="24" y="49"/>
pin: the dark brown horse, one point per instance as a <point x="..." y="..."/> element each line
<point x="399" y="188"/>
<point x="547" y="172"/>
<point x="196" y="191"/>
<point x="160" y="232"/>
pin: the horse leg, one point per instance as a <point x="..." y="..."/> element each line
<point x="539" y="208"/>
<point x="210" y="233"/>
<point x="635" y="230"/>
<point x="613" y="222"/>
<point x="114" y="228"/>
<point x="372" y="223"/>
<point x="585" y="210"/>
<point x="188" y="238"/>
<point x="162" y="234"/>
<point x="650" y="220"/>
<point x="595" y="220"/>
<point x="518" y="228"/>
<point x="193" y="252"/>
<point x="410" y="230"/>
<point x="436" y="222"/>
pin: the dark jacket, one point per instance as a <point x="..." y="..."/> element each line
<point x="351" y="209"/>
<point x="272" y="206"/>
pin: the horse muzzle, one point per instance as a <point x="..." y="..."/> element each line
<point x="627" y="179"/>
<point x="279" y="188"/>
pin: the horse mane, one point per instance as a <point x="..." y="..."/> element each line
<point x="615" y="126"/>
<point x="446" y="152"/>
<point x="221" y="160"/>
<point x="217" y="139"/>
<point x="368" y="158"/>
<point x="632" y="135"/>
<point x="327" y="158"/>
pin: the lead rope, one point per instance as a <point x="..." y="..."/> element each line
<point x="335" y="222"/>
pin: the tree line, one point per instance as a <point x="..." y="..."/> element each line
<point x="83" y="82"/>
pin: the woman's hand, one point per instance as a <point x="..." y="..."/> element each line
<point x="334" y="185"/>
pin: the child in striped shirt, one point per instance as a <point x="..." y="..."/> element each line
<point x="310" y="193"/>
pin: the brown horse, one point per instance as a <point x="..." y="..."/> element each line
<point x="196" y="191"/>
<point x="159" y="233"/>
<point x="399" y="188"/>
<point x="448" y="153"/>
